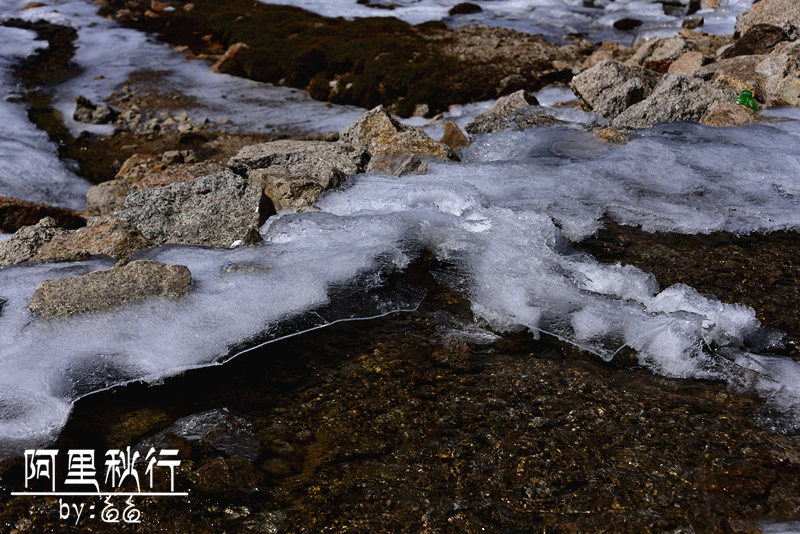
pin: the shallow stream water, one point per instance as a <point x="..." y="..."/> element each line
<point x="593" y="337"/>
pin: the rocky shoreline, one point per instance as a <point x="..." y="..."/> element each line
<point x="401" y="428"/>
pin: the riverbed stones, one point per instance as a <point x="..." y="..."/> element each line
<point x="386" y="139"/>
<point x="110" y="288"/>
<point x="293" y="174"/>
<point x="27" y="241"/>
<point x="677" y="98"/>
<point x="102" y="235"/>
<point x="217" y="211"/>
<point x="689" y="63"/>
<point x="597" y="84"/>
<point x="88" y="111"/>
<point x="16" y="213"/>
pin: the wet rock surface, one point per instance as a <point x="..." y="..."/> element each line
<point x="404" y="426"/>
<point x="113" y="287"/>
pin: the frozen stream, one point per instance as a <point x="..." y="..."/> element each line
<point x="502" y="216"/>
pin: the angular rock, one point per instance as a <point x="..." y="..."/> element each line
<point x="16" y="213"/>
<point x="721" y="114"/>
<point x="667" y="51"/>
<point x="677" y="98"/>
<point x="136" y="167"/>
<point x="521" y="119"/>
<point x="113" y="287"/>
<point x="296" y="187"/>
<point x="689" y="63"/>
<point x="758" y="39"/>
<point x="777" y="73"/>
<point x="102" y="235"/>
<point x="690" y="23"/>
<point x="737" y="74"/>
<point x="453" y="136"/>
<point x="784" y="14"/>
<point x="216" y="211"/>
<point x="707" y="44"/>
<point x="621" y="98"/>
<point x="231" y="60"/>
<point x="505" y="105"/>
<point x="347" y="158"/>
<point x="88" y="111"/>
<point x="596" y="84"/>
<point x="382" y="134"/>
<point x="26" y="242"/>
<point x="108" y="197"/>
<point x="294" y="173"/>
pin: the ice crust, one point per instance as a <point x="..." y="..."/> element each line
<point x="502" y="218"/>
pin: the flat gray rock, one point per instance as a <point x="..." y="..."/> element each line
<point x="138" y="280"/>
<point x="216" y="211"/>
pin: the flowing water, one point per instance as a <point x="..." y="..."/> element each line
<point x="487" y="251"/>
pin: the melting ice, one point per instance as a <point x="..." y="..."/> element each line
<point x="502" y="217"/>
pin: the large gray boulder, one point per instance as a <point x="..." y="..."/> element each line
<point x="389" y="142"/>
<point x="677" y="98"/>
<point x="100" y="290"/>
<point x="294" y="173"/>
<point x="217" y="211"/>
<point x="26" y="242"/>
<point x="597" y="85"/>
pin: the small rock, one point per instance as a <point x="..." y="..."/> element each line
<point x="26" y="242"/>
<point x="88" y="111"/>
<point x="612" y="137"/>
<point x="464" y="8"/>
<point x="627" y="24"/>
<point x="621" y="98"/>
<point x="690" y="23"/>
<point x="411" y="165"/>
<point x="722" y="114"/>
<point x="511" y="83"/>
<point x="16" y="213"/>
<point x="505" y="105"/>
<point x="453" y="136"/>
<point x="136" y="167"/>
<point x="171" y="157"/>
<point x="214" y="211"/>
<point x="381" y="134"/>
<point x="113" y="287"/>
<point x="231" y="60"/>
<point x="102" y="235"/>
